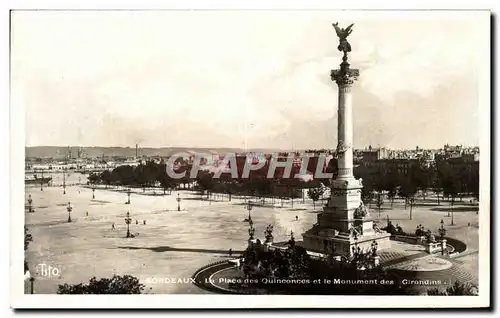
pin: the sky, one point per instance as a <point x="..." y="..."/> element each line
<point x="256" y="79"/>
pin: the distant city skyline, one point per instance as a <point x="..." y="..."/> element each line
<point x="244" y="79"/>
<point x="72" y="147"/>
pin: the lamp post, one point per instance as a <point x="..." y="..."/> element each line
<point x="356" y="252"/>
<point x="441" y="229"/>
<point x="249" y="207"/>
<point x="452" y="219"/>
<point x="374" y="246"/>
<point x="64" y="181"/>
<point x="41" y="183"/>
<point x="178" y="202"/>
<point x="69" y="208"/>
<point x="32" y="284"/>
<point x="128" y="194"/>
<point x="251" y="231"/>
<point x="93" y="192"/>
<point x="30" y="202"/>
<point x="127" y="221"/>
<point x="79" y="180"/>
<point x="442" y="233"/>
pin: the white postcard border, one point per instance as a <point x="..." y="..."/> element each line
<point x="20" y="300"/>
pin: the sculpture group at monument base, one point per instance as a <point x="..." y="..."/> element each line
<point x="343" y="244"/>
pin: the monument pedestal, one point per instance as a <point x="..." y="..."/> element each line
<point x="344" y="223"/>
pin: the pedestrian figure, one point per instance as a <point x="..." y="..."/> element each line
<point x="87" y="213"/>
<point x="468" y="224"/>
<point x="113" y="226"/>
<point x="136" y="221"/>
<point x="144" y="222"/>
<point x="230" y="252"/>
<point x="296" y="218"/>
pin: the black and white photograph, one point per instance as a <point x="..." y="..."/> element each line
<point x="251" y="152"/>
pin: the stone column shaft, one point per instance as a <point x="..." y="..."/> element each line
<point x="345" y="132"/>
<point x="345" y="77"/>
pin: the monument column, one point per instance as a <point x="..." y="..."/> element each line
<point x="345" y="223"/>
<point x="345" y="77"/>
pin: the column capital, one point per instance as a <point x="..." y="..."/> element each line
<point x="345" y="76"/>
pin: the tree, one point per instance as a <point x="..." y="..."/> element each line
<point x="126" y="284"/>
<point x="457" y="289"/>
<point x="420" y="175"/>
<point x="391" y="186"/>
<point x="94" y="178"/>
<point x="106" y="177"/>
<point x="438" y="188"/>
<point x="27" y="239"/>
<point x="451" y="187"/>
<point x="473" y="184"/>
<point x="263" y="186"/>
<point x="391" y="194"/>
<point x="367" y="193"/>
<point x="408" y="191"/>
<point x="166" y="182"/>
<point x="475" y="190"/>
<point x="315" y="194"/>
<point x="379" y="202"/>
<point x="205" y="182"/>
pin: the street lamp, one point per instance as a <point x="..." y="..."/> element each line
<point x="30" y="202"/>
<point x="64" y="181"/>
<point x="442" y="233"/>
<point x="374" y="248"/>
<point x="93" y="192"/>
<point x="128" y="194"/>
<point x="32" y="283"/>
<point x="442" y="230"/>
<point x="249" y="207"/>
<point x="69" y="208"/>
<point x="356" y="252"/>
<point x="127" y="221"/>
<point x="178" y="202"/>
<point x="251" y="231"/>
<point x="452" y="214"/>
<point x="41" y="183"/>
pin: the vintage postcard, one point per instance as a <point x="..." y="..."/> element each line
<point x="199" y="157"/>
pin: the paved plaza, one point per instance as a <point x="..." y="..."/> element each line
<point x="175" y="244"/>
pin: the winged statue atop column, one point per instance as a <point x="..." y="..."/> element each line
<point x="342" y="33"/>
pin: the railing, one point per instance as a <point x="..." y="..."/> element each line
<point x="209" y="286"/>
<point x="199" y="270"/>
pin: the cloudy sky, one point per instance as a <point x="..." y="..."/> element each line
<point x="236" y="78"/>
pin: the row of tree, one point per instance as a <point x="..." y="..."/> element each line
<point x="442" y="178"/>
<point x="257" y="184"/>
<point x="445" y="180"/>
<point x="452" y="181"/>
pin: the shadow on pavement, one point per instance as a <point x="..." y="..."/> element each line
<point x="160" y="249"/>
<point x="458" y="209"/>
